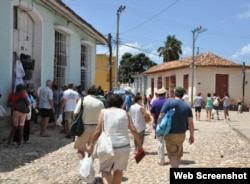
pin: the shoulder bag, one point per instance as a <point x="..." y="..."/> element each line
<point x="164" y="126"/>
<point x="21" y="106"/>
<point x="104" y="147"/>
<point x="216" y="102"/>
<point x="77" y="126"/>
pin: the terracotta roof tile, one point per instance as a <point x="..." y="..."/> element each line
<point x="202" y="60"/>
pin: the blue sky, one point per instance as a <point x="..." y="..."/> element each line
<point x="145" y="24"/>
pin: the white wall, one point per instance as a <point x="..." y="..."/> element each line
<point x="206" y="78"/>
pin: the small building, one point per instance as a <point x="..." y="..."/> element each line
<point x="211" y="74"/>
<point x="105" y="70"/>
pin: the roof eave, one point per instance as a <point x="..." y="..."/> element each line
<point x="198" y="66"/>
<point x="64" y="10"/>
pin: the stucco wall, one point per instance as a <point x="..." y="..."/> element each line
<point x="204" y="81"/>
<point x="45" y="19"/>
<point x="207" y="77"/>
<point x="5" y="50"/>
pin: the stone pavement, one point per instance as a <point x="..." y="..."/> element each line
<point x="52" y="160"/>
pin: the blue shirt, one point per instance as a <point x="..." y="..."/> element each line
<point x="128" y="101"/>
<point x="31" y="99"/>
<point x="179" y="119"/>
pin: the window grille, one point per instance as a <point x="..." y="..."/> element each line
<point x="85" y="66"/>
<point x="61" y="65"/>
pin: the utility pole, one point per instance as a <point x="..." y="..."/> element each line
<point x="110" y="62"/>
<point x="243" y="83"/>
<point x="195" y="32"/>
<point x="118" y="13"/>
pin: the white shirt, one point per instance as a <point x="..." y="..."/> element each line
<point x="198" y="101"/>
<point x="226" y="101"/>
<point x="70" y="96"/>
<point x="19" y="71"/>
<point x="116" y="125"/>
<point x="185" y="98"/>
<point x="137" y="117"/>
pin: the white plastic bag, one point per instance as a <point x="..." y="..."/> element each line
<point x="160" y="149"/>
<point x="213" y="111"/>
<point x="59" y="120"/>
<point x="87" y="171"/>
<point x="28" y="115"/>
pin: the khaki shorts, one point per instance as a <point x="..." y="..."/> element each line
<point x="81" y="141"/>
<point x="68" y="116"/>
<point x="118" y="162"/>
<point x="174" y="144"/>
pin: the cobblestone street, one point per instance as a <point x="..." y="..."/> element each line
<point x="52" y="160"/>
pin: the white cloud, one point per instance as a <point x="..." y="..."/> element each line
<point x="242" y="52"/>
<point x="154" y="57"/>
<point x="129" y="48"/>
<point x="132" y="48"/>
<point x="244" y="15"/>
<point x="186" y="51"/>
<point x="101" y="49"/>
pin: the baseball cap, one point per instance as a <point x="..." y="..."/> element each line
<point x="179" y="90"/>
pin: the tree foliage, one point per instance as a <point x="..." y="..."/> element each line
<point x="133" y="65"/>
<point x="171" y="50"/>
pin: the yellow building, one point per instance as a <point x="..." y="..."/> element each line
<point x="102" y="71"/>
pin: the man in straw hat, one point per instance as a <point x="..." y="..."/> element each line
<point x="155" y="111"/>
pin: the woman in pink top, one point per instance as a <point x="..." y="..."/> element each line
<point x="18" y="118"/>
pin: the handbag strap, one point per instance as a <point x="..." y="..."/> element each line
<point x="102" y="119"/>
<point x="82" y="103"/>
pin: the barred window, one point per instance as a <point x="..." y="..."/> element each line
<point x="85" y="66"/>
<point x="61" y="59"/>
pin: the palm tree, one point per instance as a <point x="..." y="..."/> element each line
<point x="171" y="50"/>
